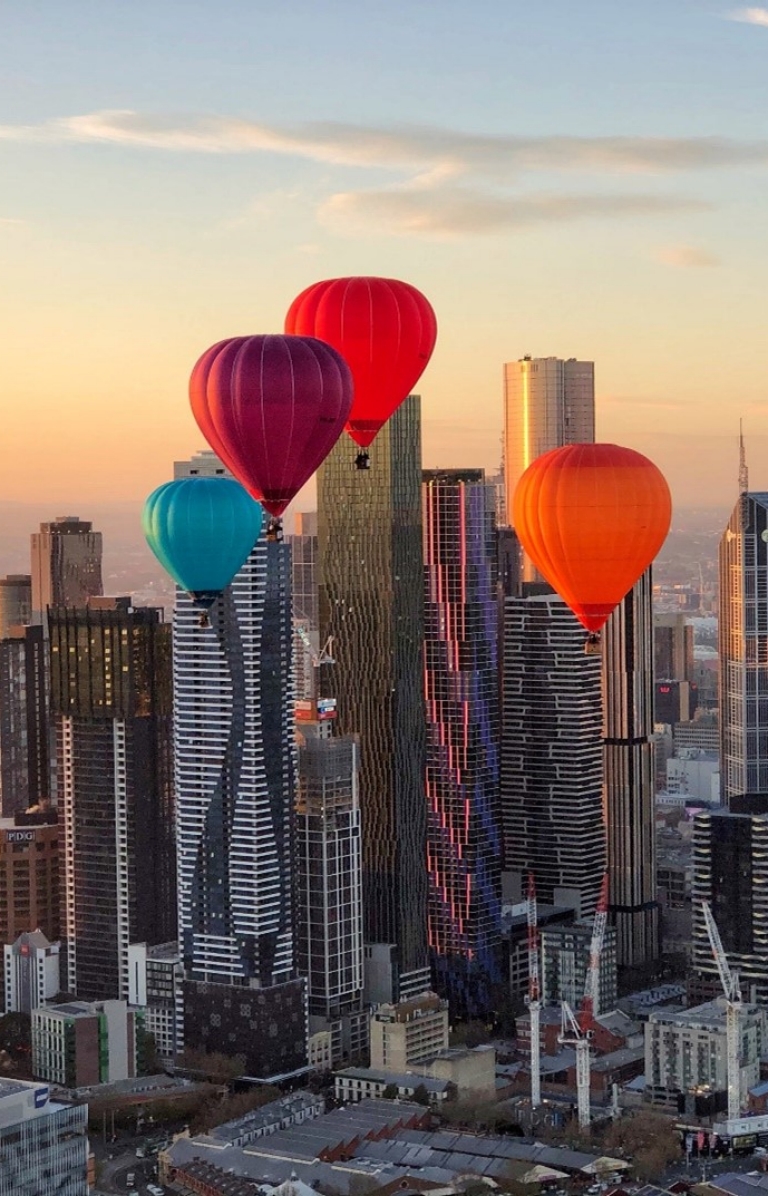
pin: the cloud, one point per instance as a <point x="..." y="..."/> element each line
<point x="435" y="153"/>
<point x="750" y="16"/>
<point x="685" y="256"/>
<point x="453" y="211"/>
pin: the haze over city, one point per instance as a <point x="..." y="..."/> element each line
<point x="580" y="180"/>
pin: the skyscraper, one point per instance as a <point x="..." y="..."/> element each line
<point x="547" y="403"/>
<point x="111" y="704"/>
<point x="329" y="883"/>
<point x="462" y="703"/>
<point x="234" y="763"/>
<point x="730" y="871"/>
<point x="15" y="601"/>
<point x="304" y="557"/>
<point x="673" y="647"/>
<point x="628" y="775"/>
<point x="66" y="565"/>
<point x="743" y="648"/>
<point x="551" y="758"/>
<point x="24" y="723"/>
<point x="372" y="603"/>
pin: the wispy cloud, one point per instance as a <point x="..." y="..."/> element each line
<point x="456" y="211"/>
<point x="437" y="152"/>
<point x="750" y="16"/>
<point x="685" y="256"/>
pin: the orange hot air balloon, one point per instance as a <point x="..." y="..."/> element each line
<point x="384" y="329"/>
<point x="592" y="518"/>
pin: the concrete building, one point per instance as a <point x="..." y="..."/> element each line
<point x="80" y="1043"/>
<point x="628" y="775"/>
<point x="31" y="972"/>
<point x="730" y="871"/>
<point x="686" y="1050"/>
<point x="155" y="981"/>
<point x="565" y="952"/>
<point x="24" y="725"/>
<point x="66" y="565"/>
<point x="43" y="1143"/>
<point x="452" y="1074"/>
<point x="29" y="875"/>
<point x="461" y="679"/>
<point x="702" y="732"/>
<point x="673" y="640"/>
<point x="111" y="702"/>
<point x="329" y="928"/>
<point x="548" y="403"/>
<point x="552" y="756"/>
<point x="673" y="701"/>
<point x="372" y="603"/>
<point x="696" y="774"/>
<point x="408" y="1033"/>
<point x="514" y="923"/>
<point x="235" y="779"/>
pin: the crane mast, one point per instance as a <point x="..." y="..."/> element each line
<point x="533" y="1000"/>
<point x="732" y="991"/>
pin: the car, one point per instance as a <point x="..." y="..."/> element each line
<point x="154" y="1190"/>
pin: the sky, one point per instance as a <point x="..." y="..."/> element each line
<point x="560" y="179"/>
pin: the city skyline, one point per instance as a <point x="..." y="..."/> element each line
<point x="157" y="210"/>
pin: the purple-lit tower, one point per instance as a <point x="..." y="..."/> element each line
<point x="462" y="704"/>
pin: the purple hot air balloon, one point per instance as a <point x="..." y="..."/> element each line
<point x="272" y="407"/>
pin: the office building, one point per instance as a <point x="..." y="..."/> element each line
<point x="329" y="927"/>
<point x="565" y="952"/>
<point x="66" y="565"/>
<point x="111" y="702"/>
<point x="15" y="602"/>
<point x="234" y="762"/>
<point x="730" y="871"/>
<point x="674" y="701"/>
<point x="743" y="648"/>
<point x="29" y="875"/>
<point x="409" y="1032"/>
<point x="372" y="603"/>
<point x="673" y="648"/>
<point x="461" y="679"/>
<point x="551" y="757"/>
<point x="155" y="986"/>
<point x="628" y="775"/>
<point x="78" y="1043"/>
<point x="43" y="1143"/>
<point x="548" y="403"/>
<point x="685" y="1051"/>
<point x="31" y="972"/>
<point x="696" y="774"/>
<point x="702" y="732"/>
<point x="24" y="723"/>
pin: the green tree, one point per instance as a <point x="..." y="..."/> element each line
<point x="421" y="1096"/>
<point x="16" y="1035"/>
<point x="390" y="1092"/>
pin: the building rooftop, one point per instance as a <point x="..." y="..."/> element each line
<point x="270" y="1114"/>
<point x="406" y="1079"/>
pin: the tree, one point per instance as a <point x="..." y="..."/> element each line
<point x="390" y="1092"/>
<point x="649" y="1139"/>
<point x="16" y="1035"/>
<point x="420" y="1095"/>
<point x="212" y="1065"/>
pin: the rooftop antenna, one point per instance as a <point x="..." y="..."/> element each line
<point x="743" y="471"/>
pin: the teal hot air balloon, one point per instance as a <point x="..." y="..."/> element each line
<point x="202" y="531"/>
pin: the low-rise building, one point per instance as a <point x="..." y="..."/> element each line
<point x="81" y="1043"/>
<point x="409" y="1032"/>
<point x="686" y="1051"/>
<point x="455" y="1072"/>
<point x="43" y="1144"/>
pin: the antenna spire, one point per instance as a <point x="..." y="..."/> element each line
<point x="743" y="471"/>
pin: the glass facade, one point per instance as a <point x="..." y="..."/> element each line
<point x="461" y="685"/>
<point x="111" y="705"/>
<point x="372" y="603"/>
<point x="66" y="565"/>
<point x="45" y="1154"/>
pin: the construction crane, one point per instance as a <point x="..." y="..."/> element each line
<point x="533" y="1000"/>
<point x="324" y="656"/>
<point x="732" y="991"/>
<point x="579" y="1032"/>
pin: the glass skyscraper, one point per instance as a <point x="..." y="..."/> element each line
<point x="372" y="603"/>
<point x="461" y="683"/>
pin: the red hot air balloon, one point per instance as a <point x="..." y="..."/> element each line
<point x="385" y="330"/>
<point x="272" y="408"/>
<point x="592" y="518"/>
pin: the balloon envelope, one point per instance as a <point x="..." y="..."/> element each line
<point x="202" y="531"/>
<point x="385" y="330"/>
<point x="272" y="408"/>
<point x="592" y="517"/>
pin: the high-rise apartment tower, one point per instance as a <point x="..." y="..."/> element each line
<point x="66" y="565"/>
